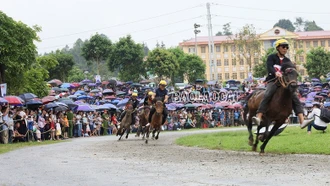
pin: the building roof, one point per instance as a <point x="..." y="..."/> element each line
<point x="203" y="40"/>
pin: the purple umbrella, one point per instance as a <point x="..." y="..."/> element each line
<point x="84" y="108"/>
<point x="86" y="81"/>
<point x="91" y="84"/>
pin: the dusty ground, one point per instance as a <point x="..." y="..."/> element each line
<point x="105" y="161"/>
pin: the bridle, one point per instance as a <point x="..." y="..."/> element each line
<point x="283" y="81"/>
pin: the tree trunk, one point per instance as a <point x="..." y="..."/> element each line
<point x="2" y="73"/>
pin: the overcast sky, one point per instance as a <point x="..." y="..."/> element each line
<point x="149" y="21"/>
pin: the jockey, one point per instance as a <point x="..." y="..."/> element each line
<point x="133" y="100"/>
<point x="282" y="47"/>
<point x="148" y="99"/>
<point x="161" y="94"/>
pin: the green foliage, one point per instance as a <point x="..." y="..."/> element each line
<point x="195" y="68"/>
<point x="260" y="70"/>
<point x="318" y="62"/>
<point x="248" y="44"/>
<point x="311" y="26"/>
<point x="292" y="140"/>
<point x="285" y="24"/>
<point x="127" y="56"/>
<point x="219" y="33"/>
<point x="97" y="49"/>
<point x="162" y="63"/>
<point x="226" y="30"/>
<point x="77" y="75"/>
<point x="65" y="64"/>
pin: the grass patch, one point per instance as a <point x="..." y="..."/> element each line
<point x="292" y="140"/>
<point x="13" y="146"/>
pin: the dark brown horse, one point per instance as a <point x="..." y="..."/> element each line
<point x="143" y="121"/>
<point x="279" y="108"/>
<point x="125" y="124"/>
<point x="156" y="121"/>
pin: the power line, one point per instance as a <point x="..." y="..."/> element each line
<point x="272" y="10"/>
<point x="167" y="34"/>
<point x="122" y="24"/>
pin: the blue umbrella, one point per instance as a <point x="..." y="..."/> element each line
<point x="3" y="100"/>
<point x="66" y="85"/>
<point x="115" y="101"/>
<point x="111" y="106"/>
<point x="84" y="108"/>
<point x="84" y="97"/>
<point x="122" y="102"/>
<point x="80" y="92"/>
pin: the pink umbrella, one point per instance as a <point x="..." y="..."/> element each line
<point x="237" y="105"/>
<point x="222" y="103"/>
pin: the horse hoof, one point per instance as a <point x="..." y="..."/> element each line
<point x="126" y="137"/>
<point x="261" y="153"/>
<point x="146" y="141"/>
<point x="250" y="143"/>
<point x="254" y="148"/>
<point x="156" y="138"/>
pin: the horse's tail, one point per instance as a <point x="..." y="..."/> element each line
<point x="246" y="106"/>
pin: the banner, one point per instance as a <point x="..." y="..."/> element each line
<point x="3" y="89"/>
<point x="97" y="79"/>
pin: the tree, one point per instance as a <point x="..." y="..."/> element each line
<point x="77" y="75"/>
<point x="145" y="49"/>
<point x="227" y="30"/>
<point x="195" y="68"/>
<point x="97" y="49"/>
<point x="219" y="33"/>
<point x="179" y="74"/>
<point x="285" y="24"/>
<point x="260" y="70"/>
<point x="65" y="64"/>
<point x="17" y="50"/>
<point x="318" y="62"/>
<point x="299" y="23"/>
<point x="127" y="57"/>
<point x="248" y="44"/>
<point x="162" y="63"/>
<point x="311" y="26"/>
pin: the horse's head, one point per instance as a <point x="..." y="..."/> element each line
<point x="290" y="76"/>
<point x="129" y="109"/>
<point x="159" y="107"/>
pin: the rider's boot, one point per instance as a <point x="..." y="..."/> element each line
<point x="257" y="120"/>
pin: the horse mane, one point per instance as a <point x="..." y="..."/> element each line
<point x="287" y="65"/>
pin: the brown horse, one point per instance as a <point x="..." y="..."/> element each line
<point x="125" y="125"/>
<point x="143" y="121"/>
<point x="279" y="107"/>
<point x="156" y="121"/>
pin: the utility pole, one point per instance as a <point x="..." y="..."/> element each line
<point x="212" y="56"/>
<point x="196" y="32"/>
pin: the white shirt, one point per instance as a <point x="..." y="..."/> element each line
<point x="317" y="121"/>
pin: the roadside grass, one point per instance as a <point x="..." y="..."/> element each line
<point x="14" y="146"/>
<point x="292" y="140"/>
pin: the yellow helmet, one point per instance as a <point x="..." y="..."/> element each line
<point x="281" y="42"/>
<point x="162" y="82"/>
<point x="135" y="94"/>
<point x="150" y="93"/>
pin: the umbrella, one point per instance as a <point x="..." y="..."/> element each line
<point x="75" y="85"/>
<point x="136" y="85"/>
<point x="80" y="92"/>
<point x="95" y="91"/>
<point x="231" y="81"/>
<point x="84" y="97"/>
<point x="91" y="84"/>
<point x="188" y="86"/>
<point x="27" y="96"/>
<point x="328" y="79"/>
<point x="69" y="102"/>
<point x="48" y="99"/>
<point x="14" y="100"/>
<point x="102" y="107"/>
<point x="107" y="91"/>
<point x="55" y="82"/>
<point x="315" y="80"/>
<point x="237" y="105"/>
<point x="233" y="88"/>
<point x="33" y="104"/>
<point x="61" y="108"/>
<point x="50" y="106"/>
<point x="84" y="108"/>
<point x="122" y="102"/>
<point x="129" y="82"/>
<point x="105" y="82"/>
<point x="120" y="93"/>
<point x="86" y="81"/>
<point x="189" y="105"/>
<point x="64" y="90"/>
<point x="3" y="100"/>
<point x="51" y="93"/>
<point x="73" y="97"/>
<point x="110" y="97"/>
<point x="111" y="106"/>
<point x="66" y="85"/>
<point x="222" y="103"/>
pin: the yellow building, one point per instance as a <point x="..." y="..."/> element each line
<point x="228" y="65"/>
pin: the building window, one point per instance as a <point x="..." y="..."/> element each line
<point x="322" y="43"/>
<point x="308" y="44"/>
<point x="301" y="44"/>
<point x="234" y="75"/>
<point x="226" y="75"/>
<point x="301" y="59"/>
<point x="242" y="75"/>
<point x="233" y="48"/>
<point x="191" y="50"/>
<point x="220" y="76"/>
<point x="218" y="62"/>
<point x="256" y="61"/>
<point x="217" y="48"/>
<point x="241" y="61"/>
<point x="225" y="48"/>
<point x="302" y="72"/>
<point x="202" y="49"/>
<point x="233" y="62"/>
<point x="315" y="43"/>
<point x="212" y="76"/>
<point x="226" y="62"/>
<point x="204" y="61"/>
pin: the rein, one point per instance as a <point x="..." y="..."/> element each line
<point x="283" y="82"/>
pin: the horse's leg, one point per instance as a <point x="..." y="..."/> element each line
<point x="255" y="145"/>
<point x="153" y="133"/>
<point x="147" y="134"/>
<point x="128" y="131"/>
<point x="271" y="133"/>
<point x="122" y="133"/>
<point x="249" y="127"/>
<point x="158" y="131"/>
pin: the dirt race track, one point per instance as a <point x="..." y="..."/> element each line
<point x="105" y="161"/>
